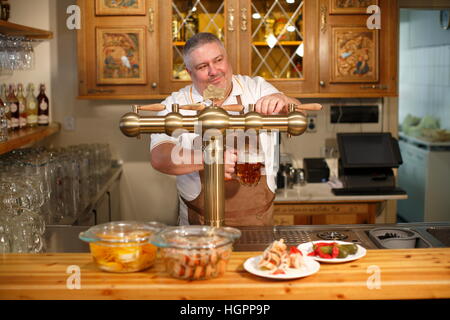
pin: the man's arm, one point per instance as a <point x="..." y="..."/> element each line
<point x="277" y="102"/>
<point x="166" y="157"/>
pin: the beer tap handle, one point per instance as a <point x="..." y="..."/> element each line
<point x="233" y="107"/>
<point x="308" y="107"/>
<point x="151" y="107"/>
<point x="199" y="107"/>
<point x="195" y="107"/>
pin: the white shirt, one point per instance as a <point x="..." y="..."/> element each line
<point x="250" y="90"/>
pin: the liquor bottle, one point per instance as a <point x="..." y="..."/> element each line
<point x="176" y="29"/>
<point x="5" y="9"/>
<point x="299" y="25"/>
<point x="13" y="108"/>
<point x="32" y="107"/>
<point x="22" y="107"/>
<point x="3" y="122"/>
<point x="43" y="107"/>
<point x="280" y="29"/>
<point x="4" y="98"/>
<point x="269" y="23"/>
<point x="191" y="22"/>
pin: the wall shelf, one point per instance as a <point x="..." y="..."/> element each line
<point x="18" y="30"/>
<point x="27" y="136"/>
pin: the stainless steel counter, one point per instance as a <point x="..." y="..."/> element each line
<point x="65" y="238"/>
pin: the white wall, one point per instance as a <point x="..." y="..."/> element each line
<point x="424" y="87"/>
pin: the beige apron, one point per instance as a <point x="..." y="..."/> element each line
<point x="244" y="205"/>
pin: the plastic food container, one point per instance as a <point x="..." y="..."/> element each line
<point x="196" y="252"/>
<point x="122" y="246"/>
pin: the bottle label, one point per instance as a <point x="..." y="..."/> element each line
<point x="32" y="105"/>
<point x="14" y="122"/>
<point x="42" y="119"/>
<point x="43" y="105"/>
<point x="32" y="119"/>
<point x="21" y="107"/>
<point x="13" y="107"/>
<point x="22" y="122"/>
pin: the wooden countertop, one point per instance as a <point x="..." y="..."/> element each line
<point x="404" y="274"/>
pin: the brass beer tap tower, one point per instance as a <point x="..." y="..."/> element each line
<point x="213" y="117"/>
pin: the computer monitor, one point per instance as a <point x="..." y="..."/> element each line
<point x="368" y="150"/>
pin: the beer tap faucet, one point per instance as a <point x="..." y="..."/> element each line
<point x="213" y="117"/>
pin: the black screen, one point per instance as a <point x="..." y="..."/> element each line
<point x="364" y="150"/>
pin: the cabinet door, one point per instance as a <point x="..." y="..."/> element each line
<point x="116" y="50"/>
<point x="278" y="42"/>
<point x="411" y="177"/>
<point x="356" y="60"/>
<point x="179" y="20"/>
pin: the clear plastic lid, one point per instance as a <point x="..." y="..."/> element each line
<point x="122" y="232"/>
<point x="196" y="237"/>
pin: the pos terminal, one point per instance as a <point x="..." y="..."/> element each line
<point x="366" y="162"/>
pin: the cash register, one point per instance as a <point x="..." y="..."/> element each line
<point x="366" y="163"/>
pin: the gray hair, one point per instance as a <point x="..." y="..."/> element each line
<point x="196" y="41"/>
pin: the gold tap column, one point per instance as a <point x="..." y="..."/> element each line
<point x="214" y="182"/>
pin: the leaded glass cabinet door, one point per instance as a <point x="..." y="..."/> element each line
<point x="183" y="18"/>
<point x="280" y="37"/>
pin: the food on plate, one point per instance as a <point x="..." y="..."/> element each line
<point x="276" y="258"/>
<point x="197" y="264"/>
<point x="332" y="250"/>
<point x="123" y="257"/>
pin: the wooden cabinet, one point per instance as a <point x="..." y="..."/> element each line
<point x="355" y="60"/>
<point x="117" y="52"/>
<point x="296" y="46"/>
<point x="311" y="213"/>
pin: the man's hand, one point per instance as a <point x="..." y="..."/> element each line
<point x="272" y="103"/>
<point x="277" y="104"/>
<point x="230" y="158"/>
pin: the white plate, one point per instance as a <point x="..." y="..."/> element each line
<point x="307" y="248"/>
<point x="311" y="266"/>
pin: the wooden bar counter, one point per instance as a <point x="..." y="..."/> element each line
<point x="403" y="274"/>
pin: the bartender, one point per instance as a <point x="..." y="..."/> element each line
<point x="207" y="63"/>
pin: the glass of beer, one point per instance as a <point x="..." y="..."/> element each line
<point x="248" y="167"/>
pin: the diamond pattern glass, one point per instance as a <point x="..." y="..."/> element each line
<point x="277" y="39"/>
<point x="189" y="18"/>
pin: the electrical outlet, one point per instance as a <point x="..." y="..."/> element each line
<point x="311" y="123"/>
<point x="69" y="123"/>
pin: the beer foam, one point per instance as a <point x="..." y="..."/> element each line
<point x="250" y="157"/>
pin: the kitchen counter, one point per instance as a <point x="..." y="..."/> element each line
<point x="403" y="274"/>
<point x="321" y="192"/>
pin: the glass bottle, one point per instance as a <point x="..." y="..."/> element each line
<point x="13" y="108"/>
<point x="4" y="98"/>
<point x="22" y="107"/>
<point x="43" y="107"/>
<point x="191" y="22"/>
<point x="269" y="23"/>
<point x="176" y="28"/>
<point x="3" y="123"/>
<point x="32" y="109"/>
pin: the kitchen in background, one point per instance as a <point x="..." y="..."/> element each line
<point x="424" y="114"/>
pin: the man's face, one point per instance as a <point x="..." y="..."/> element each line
<point x="208" y="64"/>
